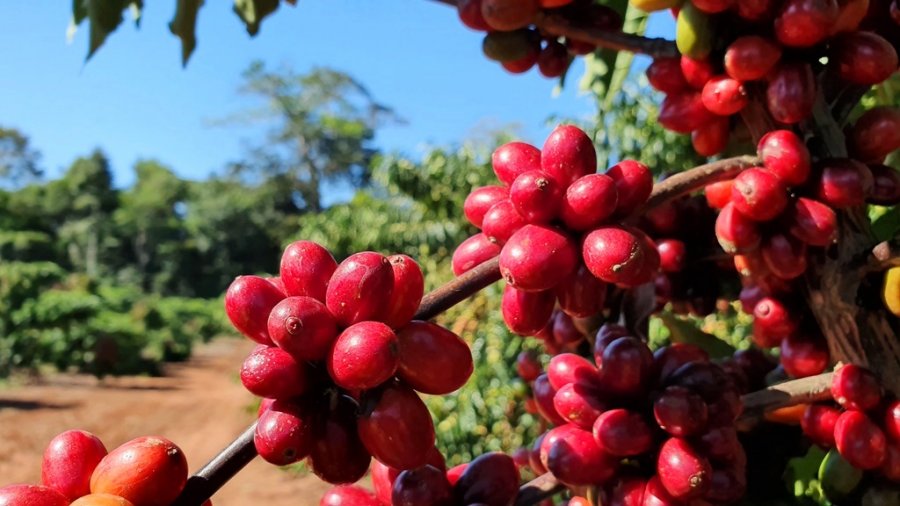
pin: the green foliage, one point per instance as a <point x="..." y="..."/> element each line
<point x="18" y="160"/>
<point x="184" y="26"/>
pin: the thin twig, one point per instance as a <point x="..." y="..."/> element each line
<point x="694" y="179"/>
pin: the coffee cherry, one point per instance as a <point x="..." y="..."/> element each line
<point x="567" y="368"/>
<point x="582" y="294"/>
<point x="303" y="327"/>
<point x="69" y="461"/>
<point x="622" y="433"/>
<point x="343" y="495"/>
<point x="721" y="445"/>
<point x="773" y="317"/>
<point x="360" y="288"/>
<point x="527" y="366"/>
<point x="791" y="91"/>
<point x="338" y="455"/>
<point x="818" y="423"/>
<point x="784" y="255"/>
<point x="515" y="158"/>
<point x="886" y="187"/>
<point x="668" y="359"/>
<point x="751" y="57"/>
<point x="606" y="334"/>
<point x="248" y="302"/>
<point x="785" y="155"/>
<point x="802" y="356"/>
<point x="396" y="427"/>
<point x="274" y="373"/>
<point x="31" y="495"/>
<point x="564" y="332"/>
<point x="626" y="365"/>
<point x="726" y="486"/>
<point x="454" y="473"/>
<point x="423" y="486"/>
<point x="859" y="440"/>
<point x="502" y="221"/>
<point x="843" y="183"/>
<point x="525" y="63"/>
<point x="734" y="231"/>
<point x="891" y="422"/>
<point x="480" y="200"/>
<point x="544" y="395"/>
<point x="724" y="96"/>
<point x="875" y="134"/>
<point x="473" y="252"/>
<point x="712" y="138"/>
<point x="407" y="292"/>
<point x="507" y="15"/>
<point x="306" y="268"/>
<point x="628" y="491"/>
<point x="364" y="356"/>
<point x="588" y="201"/>
<point x="634" y="182"/>
<point x="553" y="60"/>
<point x="855" y="387"/>
<point x="696" y="72"/>
<point x="680" y="412"/>
<point x="672" y="254"/>
<point x="526" y="313"/>
<point x="284" y="433"/>
<point x="537" y="257"/>
<point x="490" y="479"/>
<point x="148" y="471"/>
<point x="864" y="58"/>
<point x="812" y="222"/>
<point x="759" y="194"/>
<point x="108" y="500"/>
<point x="536" y="196"/>
<point x="578" y="404"/>
<point x="684" y="112"/>
<point x="615" y="255"/>
<point x="805" y="23"/>
<point x="575" y="459"/>
<point x="568" y="154"/>
<point x="470" y="14"/>
<point x="718" y="195"/>
<point x="432" y="359"/>
<point x="657" y="495"/>
<point x="665" y="75"/>
<point x="713" y="6"/>
<point x="682" y="471"/>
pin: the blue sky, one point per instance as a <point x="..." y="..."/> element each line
<point x="134" y="100"/>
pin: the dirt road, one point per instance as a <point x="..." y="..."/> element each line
<point x="200" y="405"/>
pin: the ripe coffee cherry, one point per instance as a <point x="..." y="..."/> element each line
<point x="588" y="201"/>
<point x="680" y="412"/>
<point x="544" y="395"/>
<point x="455" y="472"/>
<point x="812" y="222"/>
<point x="69" y="461"/>
<point x="303" y="327"/>
<point x="629" y="491"/>
<point x="396" y="427"/>
<point x="248" y="302"/>
<point x="818" y="424"/>
<point x="759" y="194"/>
<point x="480" y="200"/>
<point x="470" y="15"/>
<point x="528" y="367"/>
<point x="147" y="471"/>
<point x="805" y="23"/>
<point x="864" y="58"/>
<point x="890" y="468"/>
<point x="851" y="15"/>
<point x="718" y="195"/>
<point x="525" y="63"/>
<point x="423" y="486"/>
<point x="791" y="92"/>
<point x="803" y="356"/>
<point x="306" y="268"/>
<point x="696" y="72"/>
<point x="886" y="187"/>
<point x="578" y="404"/>
<point x="274" y="373"/>
<point x="108" y="500"/>
<point x="365" y="355"/>
<point x="616" y="255"/>
<point x="684" y="112"/>
<point x="31" y="495"/>
<point x="784" y="154"/>
<point x="622" y="433"/>
<point x="490" y="479"/>
<point x="582" y="294"/>
<point x="406" y="294"/>
<point x="536" y="196"/>
<point x="344" y="495"/>
<point x="712" y="138"/>
<point x="672" y="255"/>
<point x="634" y="182"/>
<point x="665" y="75"/>
<point x="664" y="219"/>
<point x="473" y="252"/>
<point x="507" y="15"/>
<point x="682" y="471"/>
<point x="774" y="318"/>
<point x="360" y="288"/>
<point x="383" y="477"/>
<point x="553" y="59"/>
<point x="567" y="368"/>
<point x="713" y="6"/>
<point x="875" y="134"/>
<point x="338" y="455"/>
<point x="626" y="365"/>
<point x="502" y="221"/>
<point x="606" y="334"/>
<point x="891" y="422"/>
<point x="433" y="360"/>
<point x="668" y="359"/>
<point x="526" y="313"/>
<point x="514" y="158"/>
<point x="656" y="495"/>
<point x="576" y="460"/>
<point x="537" y="258"/>
<point x="735" y="231"/>
<point x="724" y="96"/>
<point x="751" y="57"/>
<point x="564" y="331"/>
<point x="284" y="433"/>
<point x="843" y="183"/>
<point x="859" y="440"/>
<point x="568" y="154"/>
<point x="784" y="256"/>
<point x="721" y="445"/>
<point x="855" y="387"/>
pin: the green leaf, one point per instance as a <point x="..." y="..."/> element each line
<point x="635" y="22"/>
<point x="682" y="331"/>
<point x="252" y="12"/>
<point x="79" y="11"/>
<point x="801" y="475"/>
<point x="104" y="16"/>
<point x="887" y="225"/>
<point x="184" y="26"/>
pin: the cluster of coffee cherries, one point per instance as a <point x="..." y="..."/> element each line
<point x="773" y="42"/>
<point x="636" y="422"/>
<point x="518" y="46"/>
<point x="78" y="471"/>
<point x="862" y="424"/>
<point x="554" y="222"/>
<point x="340" y="361"/>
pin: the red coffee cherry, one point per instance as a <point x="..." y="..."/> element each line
<point x="567" y="368"/>
<point x="629" y="491"/>
<point x="886" y="188"/>
<point x="812" y="222"/>
<point x="759" y="194"/>
<point x="578" y="404"/>
<point x="855" y="387"/>
<point x="680" y="412"/>
<point x="864" y="58"/>
<point x="544" y="395"/>
<point x="668" y="359"/>
<point x="684" y="112"/>
<point x="875" y="134"/>
<point x="568" y="154"/>
<point x="773" y="317"/>
<point x="396" y="427"/>
<point x="508" y="15"/>
<point x="582" y="294"/>
<point x="491" y="478"/>
<point x="588" y="201"/>
<point x="672" y="255"/>
<point x="859" y="440"/>
<point x="724" y="96"/>
<point x="805" y="23"/>
<point x="31" y="495"/>
<point x="360" y="288"/>
<point x="843" y="183"/>
<point x="343" y="495"/>
<point x="665" y="75"/>
<point x="784" y="154"/>
<point x="407" y="292"/>
<point x="791" y="92"/>
<point x="423" y="486"/>
<point x="803" y="356"/>
<point x="365" y="355"/>
<point x="634" y="182"/>
<point x="536" y="196"/>
<point x="502" y="221"/>
<point x="616" y="255"/>
<point x="338" y="455"/>
<point x="306" y="268"/>
<point x="537" y="258"/>
<point x="696" y="72"/>
<point x="526" y="313"/>
<point x="751" y="57"/>
<point x="528" y="366"/>
<point x="712" y="138"/>
<point x="473" y="252"/>
<point x="432" y="359"/>
<point x="784" y="255"/>
<point x="818" y="423"/>
<point x="149" y="471"/>
<point x="284" y="433"/>
<point x="553" y="60"/>
<point x="575" y="459"/>
<point x="274" y="373"/>
<point x="682" y="471"/>
<point x="470" y="15"/>
<point x="514" y="158"/>
<point x="303" y="327"/>
<point x="718" y="195"/>
<point x="480" y="200"/>
<point x="735" y="231"/>
<point x="622" y="433"/>
<point x="626" y="365"/>
<point x="69" y="461"/>
<point x="248" y="302"/>
<point x="713" y="6"/>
